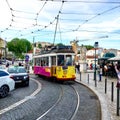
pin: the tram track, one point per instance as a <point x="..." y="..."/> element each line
<point x="55" y="101"/>
<point x="57" y="104"/>
<point x="90" y="107"/>
<point x="60" y="97"/>
<point x="77" y="105"/>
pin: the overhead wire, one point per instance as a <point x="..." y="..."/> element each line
<point x="37" y="14"/>
<point x="88" y="1"/>
<point x="50" y="23"/>
<point x="99" y="14"/>
<point x="57" y="19"/>
<point x="11" y="15"/>
<point x="40" y="11"/>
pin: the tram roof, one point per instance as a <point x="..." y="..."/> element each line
<point x="58" y="49"/>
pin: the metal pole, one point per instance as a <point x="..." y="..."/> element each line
<point x="105" y="85"/>
<point x="5" y="51"/>
<point x="33" y="45"/>
<point x="117" y="101"/>
<point x="56" y="28"/>
<point x="112" y="91"/>
<point x="80" y="76"/>
<point x="95" y="70"/>
<point x="88" y="78"/>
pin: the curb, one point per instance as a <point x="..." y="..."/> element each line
<point x="104" y="110"/>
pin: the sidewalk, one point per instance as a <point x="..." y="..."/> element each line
<point x="108" y="107"/>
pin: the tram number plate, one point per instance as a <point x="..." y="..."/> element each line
<point x="65" y="72"/>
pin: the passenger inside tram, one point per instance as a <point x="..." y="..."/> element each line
<point x="68" y="60"/>
<point x="60" y="60"/>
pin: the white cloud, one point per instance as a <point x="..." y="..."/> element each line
<point x="101" y="25"/>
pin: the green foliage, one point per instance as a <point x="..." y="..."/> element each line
<point x="19" y="46"/>
<point x="88" y="47"/>
<point x="60" y="44"/>
<point x="39" y="45"/>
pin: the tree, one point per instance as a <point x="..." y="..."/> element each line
<point x="39" y="45"/>
<point x="19" y="46"/>
<point x="60" y="44"/>
<point x="88" y="47"/>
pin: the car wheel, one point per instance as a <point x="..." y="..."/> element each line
<point x="4" y="90"/>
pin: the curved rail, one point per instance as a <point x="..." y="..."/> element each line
<point x="56" y="103"/>
<point x="59" y="99"/>
<point x="78" y="103"/>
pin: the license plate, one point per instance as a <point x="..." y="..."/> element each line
<point x="18" y="81"/>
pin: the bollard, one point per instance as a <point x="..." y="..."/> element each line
<point x="118" y="95"/>
<point x="105" y="85"/>
<point x="112" y="91"/>
<point x="88" y="78"/>
<point x="80" y="76"/>
<point x="117" y="101"/>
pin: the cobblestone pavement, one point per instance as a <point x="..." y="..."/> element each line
<point x="108" y="103"/>
<point x="108" y="107"/>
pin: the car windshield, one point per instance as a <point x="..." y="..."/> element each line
<point x="17" y="70"/>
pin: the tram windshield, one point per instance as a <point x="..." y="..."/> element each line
<point x="68" y="60"/>
<point x="64" y="60"/>
<point x="60" y="60"/>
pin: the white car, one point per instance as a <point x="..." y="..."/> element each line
<point x="7" y="84"/>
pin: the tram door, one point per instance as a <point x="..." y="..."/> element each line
<point x="53" y="66"/>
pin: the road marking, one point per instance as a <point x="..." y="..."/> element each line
<point x="23" y="100"/>
<point x="30" y="97"/>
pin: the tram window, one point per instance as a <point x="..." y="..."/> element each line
<point x="68" y="60"/>
<point x="60" y="59"/>
<point x="47" y="61"/>
<point x="37" y="61"/>
<point x="44" y="61"/>
<point x="53" y="60"/>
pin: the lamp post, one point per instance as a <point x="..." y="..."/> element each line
<point x="95" y="46"/>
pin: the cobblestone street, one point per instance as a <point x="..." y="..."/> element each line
<point x="108" y="107"/>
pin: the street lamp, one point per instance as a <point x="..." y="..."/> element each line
<point x="95" y="46"/>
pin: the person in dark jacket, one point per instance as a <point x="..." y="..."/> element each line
<point x="7" y="65"/>
<point x="78" y="67"/>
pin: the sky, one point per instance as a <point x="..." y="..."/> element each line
<point x="62" y="21"/>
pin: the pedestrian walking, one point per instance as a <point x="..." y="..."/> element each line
<point x="7" y="65"/>
<point x="78" y="67"/>
<point x="20" y="64"/>
<point x="117" y="69"/>
<point x="100" y="73"/>
<point x="91" y="66"/>
<point x="105" y="69"/>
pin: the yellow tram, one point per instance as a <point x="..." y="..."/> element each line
<point x="56" y="63"/>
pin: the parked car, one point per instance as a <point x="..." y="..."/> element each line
<point x="2" y="67"/>
<point x="19" y="74"/>
<point x="7" y="84"/>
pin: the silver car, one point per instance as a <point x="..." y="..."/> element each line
<point x="7" y="84"/>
